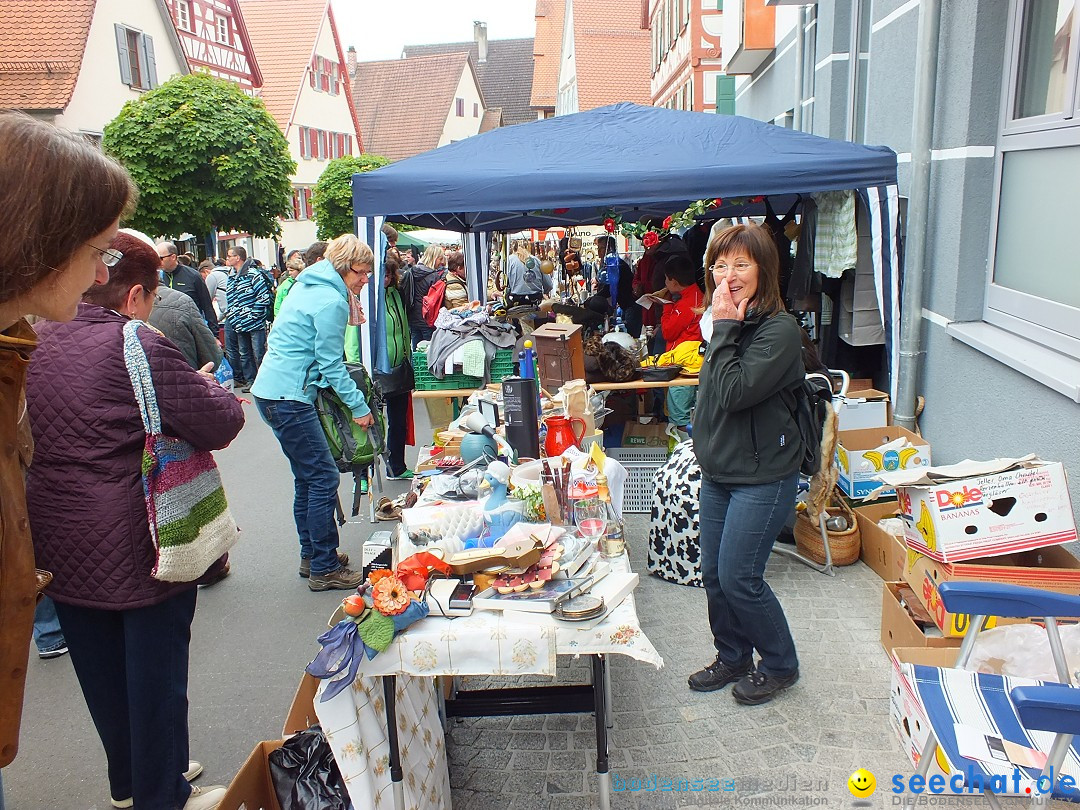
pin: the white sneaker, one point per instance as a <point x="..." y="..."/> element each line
<point x="194" y="770"/>
<point x="205" y="798"/>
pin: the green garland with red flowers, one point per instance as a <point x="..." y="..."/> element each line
<point x="650" y="236"/>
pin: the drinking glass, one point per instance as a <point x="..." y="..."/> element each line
<point x="590" y="518"/>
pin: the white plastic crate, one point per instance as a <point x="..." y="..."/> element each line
<point x="641" y="464"/>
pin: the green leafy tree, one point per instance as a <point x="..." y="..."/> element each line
<point x="332" y="200"/>
<point x="205" y="157"/>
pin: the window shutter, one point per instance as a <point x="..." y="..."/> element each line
<point x="151" y="62"/>
<point x="313" y="143"/>
<point x="307" y="204"/>
<point x="311" y="73"/>
<point x="335" y="71"/>
<point x="725" y="95"/>
<point x="122" y="52"/>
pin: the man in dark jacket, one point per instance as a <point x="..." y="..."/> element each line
<point x="186" y="279"/>
<point x="176" y="316"/>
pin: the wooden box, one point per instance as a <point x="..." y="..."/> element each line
<point x="560" y="354"/>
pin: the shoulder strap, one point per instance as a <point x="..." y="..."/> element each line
<point x="138" y="368"/>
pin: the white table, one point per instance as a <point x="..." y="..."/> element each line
<point x="485" y="643"/>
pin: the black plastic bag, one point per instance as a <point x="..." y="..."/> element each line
<point x="305" y="774"/>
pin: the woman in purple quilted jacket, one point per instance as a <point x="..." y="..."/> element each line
<point x="127" y="632"/>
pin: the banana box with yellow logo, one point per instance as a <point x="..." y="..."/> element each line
<point x="862" y="455"/>
<point x="984" y="509"/>
<point x="1052" y="568"/>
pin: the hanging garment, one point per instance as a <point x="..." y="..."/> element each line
<point x="802" y="269"/>
<point x="836" y="242"/>
<point x="778" y="226"/>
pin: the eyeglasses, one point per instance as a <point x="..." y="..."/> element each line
<point x="109" y="256"/>
<point x="739" y="267"/>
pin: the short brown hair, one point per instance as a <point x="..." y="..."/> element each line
<point x="57" y="191"/>
<point x="759" y="245"/>
<point x="139" y="266"/>
<point x="455" y="260"/>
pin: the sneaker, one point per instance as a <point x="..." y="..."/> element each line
<point x="757" y="687"/>
<point x="246" y="388"/>
<point x="406" y="475"/>
<point x="344" y="579"/>
<point x="305" y="565"/>
<point x="54" y="652"/>
<point x="717" y="675"/>
<point x="205" y="798"/>
<point x="194" y="770"/>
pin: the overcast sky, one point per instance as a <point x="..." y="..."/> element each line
<point x="380" y="28"/>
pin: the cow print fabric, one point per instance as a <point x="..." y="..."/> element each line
<point x="674" y="552"/>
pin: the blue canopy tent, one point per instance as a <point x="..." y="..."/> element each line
<point x="633" y="160"/>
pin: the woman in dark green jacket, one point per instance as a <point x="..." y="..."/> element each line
<point x="398" y="346"/>
<point x="748" y="447"/>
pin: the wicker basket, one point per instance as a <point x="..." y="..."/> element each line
<point x="845" y="545"/>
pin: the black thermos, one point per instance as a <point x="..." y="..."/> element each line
<point x="521" y="416"/>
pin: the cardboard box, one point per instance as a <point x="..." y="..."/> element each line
<point x="897" y="627"/>
<point x="301" y="714"/>
<point x="1053" y="568"/>
<point x="986" y="515"/>
<point x="865" y="409"/>
<point x="885" y="553"/>
<point x="859" y="458"/>
<point x="252" y="788"/>
<point x="906" y="713"/>
<point x="378" y="552"/>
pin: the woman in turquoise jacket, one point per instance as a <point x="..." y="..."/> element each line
<point x="306" y="352"/>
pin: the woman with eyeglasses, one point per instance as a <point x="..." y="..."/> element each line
<point x="307" y="352"/>
<point x="62" y="199"/>
<point x="748" y="447"/>
<point x="128" y="633"/>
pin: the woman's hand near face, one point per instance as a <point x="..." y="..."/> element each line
<point x="723" y="307"/>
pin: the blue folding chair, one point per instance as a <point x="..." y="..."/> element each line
<point x="1016" y="710"/>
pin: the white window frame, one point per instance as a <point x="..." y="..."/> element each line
<point x="183" y="15"/>
<point x="1049" y="323"/>
<point x="221" y="18"/>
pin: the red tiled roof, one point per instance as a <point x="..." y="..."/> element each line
<point x="284" y="34"/>
<point x="403" y="103"/>
<point x="505" y="78"/>
<point x="612" y="54"/>
<point x="493" y="118"/>
<point x="41" y="51"/>
<point x="547" y="52"/>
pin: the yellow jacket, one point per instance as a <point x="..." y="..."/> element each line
<point x="688" y="355"/>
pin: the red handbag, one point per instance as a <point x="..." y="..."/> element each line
<point x="415" y="570"/>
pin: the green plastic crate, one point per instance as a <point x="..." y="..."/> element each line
<point x="502" y="366"/>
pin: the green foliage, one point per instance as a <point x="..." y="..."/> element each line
<point x="205" y="157"/>
<point x="332" y="200"/>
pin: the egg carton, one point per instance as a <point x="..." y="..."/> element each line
<point x="462" y="520"/>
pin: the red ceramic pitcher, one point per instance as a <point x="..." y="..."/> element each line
<point x="561" y="434"/>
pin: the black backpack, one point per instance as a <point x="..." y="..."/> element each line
<point x="813" y="399"/>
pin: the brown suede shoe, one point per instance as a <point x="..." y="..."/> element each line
<point x="344" y="579"/>
<point x="305" y="565"/>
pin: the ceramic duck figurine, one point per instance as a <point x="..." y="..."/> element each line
<point x="500" y="513"/>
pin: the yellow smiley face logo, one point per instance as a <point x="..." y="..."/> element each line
<point x="861" y="783"/>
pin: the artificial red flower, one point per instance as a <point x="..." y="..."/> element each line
<point x="609" y="225"/>
<point x="757" y="199"/>
<point x="650" y="239"/>
<point x="560" y="211"/>
<point x="667" y="224"/>
<point x="718" y="202"/>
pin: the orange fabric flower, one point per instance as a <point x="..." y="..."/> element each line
<point x="391" y="597"/>
<point x="379" y="573"/>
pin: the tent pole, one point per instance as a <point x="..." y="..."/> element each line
<point x="922" y="131"/>
<point x="800" y="68"/>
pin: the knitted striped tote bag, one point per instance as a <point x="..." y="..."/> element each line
<point x="190" y="522"/>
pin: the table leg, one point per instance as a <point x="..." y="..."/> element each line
<point x="607" y="702"/>
<point x="396" y="775"/>
<point x="600" y="695"/>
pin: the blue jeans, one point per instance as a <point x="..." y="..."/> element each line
<point x="132" y="666"/>
<point x="316" y="478"/>
<point x="739" y="524"/>
<point x="232" y="352"/>
<point x="47" y="633"/>
<point x="252" y="347"/>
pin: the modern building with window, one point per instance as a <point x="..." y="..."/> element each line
<point x="1000" y="327"/>
<point x="76" y="63"/>
<point x="306" y="89"/>
<point x="687" y="72"/>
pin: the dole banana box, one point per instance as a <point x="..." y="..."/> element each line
<point x="1024" y="506"/>
<point x="862" y="455"/>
